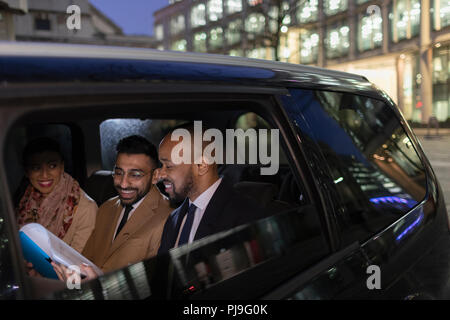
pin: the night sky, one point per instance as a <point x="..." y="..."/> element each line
<point x="133" y="16"/>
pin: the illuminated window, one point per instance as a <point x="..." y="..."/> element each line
<point x="261" y="53"/>
<point x="198" y="15"/>
<point x="405" y="19"/>
<point x="177" y="24"/>
<point x="255" y="23"/>
<point x="236" y="53"/>
<point x="180" y="45"/>
<point x="307" y="11"/>
<point x="233" y="6"/>
<point x="216" y="38"/>
<point x="370" y="33"/>
<point x="200" y="42"/>
<point x="234" y="31"/>
<point x="159" y="32"/>
<point x="215" y="10"/>
<point x="441" y="14"/>
<point x="309" y="46"/>
<point x="334" y="6"/>
<point x="337" y="41"/>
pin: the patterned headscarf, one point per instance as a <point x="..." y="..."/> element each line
<point x="55" y="211"/>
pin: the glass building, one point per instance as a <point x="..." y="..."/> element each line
<point x="403" y="46"/>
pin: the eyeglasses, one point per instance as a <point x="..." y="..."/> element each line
<point x="133" y="175"/>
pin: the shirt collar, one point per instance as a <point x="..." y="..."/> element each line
<point x="202" y="200"/>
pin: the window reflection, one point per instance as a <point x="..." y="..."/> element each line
<point x="370" y="33"/>
<point x="337" y="41"/>
<point x="234" y="31"/>
<point x="405" y="19"/>
<point x="373" y="164"/>
<point x="331" y="7"/>
<point x="215" y="10"/>
<point x="233" y="6"/>
<point x="180" y="45"/>
<point x="216" y="38"/>
<point x="200" y="42"/>
<point x="307" y="11"/>
<point x="309" y="46"/>
<point x="198" y="15"/>
<point x="255" y="23"/>
<point x="177" y="24"/>
<point x="441" y="14"/>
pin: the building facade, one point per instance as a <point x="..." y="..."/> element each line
<point x="403" y="46"/>
<point x="46" y="21"/>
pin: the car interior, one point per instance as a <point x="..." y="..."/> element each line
<point x="88" y="138"/>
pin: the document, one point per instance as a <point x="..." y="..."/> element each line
<point x="41" y="247"/>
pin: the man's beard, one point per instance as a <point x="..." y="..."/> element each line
<point x="178" y="197"/>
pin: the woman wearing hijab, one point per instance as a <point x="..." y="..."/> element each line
<point x="53" y="198"/>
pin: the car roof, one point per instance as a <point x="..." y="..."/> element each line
<point x="48" y="62"/>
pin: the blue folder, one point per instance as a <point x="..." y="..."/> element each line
<point x="34" y="254"/>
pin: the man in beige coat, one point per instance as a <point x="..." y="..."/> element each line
<point x="128" y="227"/>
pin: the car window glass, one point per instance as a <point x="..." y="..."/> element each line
<point x="375" y="171"/>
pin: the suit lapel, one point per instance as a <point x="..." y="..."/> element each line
<point x="145" y="211"/>
<point x="214" y="210"/>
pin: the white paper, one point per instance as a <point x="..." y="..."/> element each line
<point x="57" y="250"/>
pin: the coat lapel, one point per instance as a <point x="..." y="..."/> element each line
<point x="141" y="215"/>
<point x="214" y="210"/>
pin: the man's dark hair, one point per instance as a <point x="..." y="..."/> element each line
<point x="137" y="145"/>
<point x="40" y="145"/>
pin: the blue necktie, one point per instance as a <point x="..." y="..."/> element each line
<point x="184" y="237"/>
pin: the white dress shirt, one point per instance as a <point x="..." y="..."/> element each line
<point x="135" y="206"/>
<point x="201" y="203"/>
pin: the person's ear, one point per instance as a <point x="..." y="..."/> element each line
<point x="203" y="167"/>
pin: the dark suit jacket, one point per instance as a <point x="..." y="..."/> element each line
<point x="226" y="209"/>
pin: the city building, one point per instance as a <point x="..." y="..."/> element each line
<point x="8" y="10"/>
<point x="403" y="46"/>
<point x="46" y="21"/>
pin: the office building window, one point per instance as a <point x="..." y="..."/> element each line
<point x="309" y="46"/>
<point x="200" y="42"/>
<point x="331" y="7"/>
<point x="42" y="22"/>
<point x="159" y="32"/>
<point x="255" y="23"/>
<point x="337" y="41"/>
<point x="405" y="19"/>
<point x="233" y="6"/>
<point x="233" y="32"/>
<point x="216" y="38"/>
<point x="180" y="45"/>
<point x="215" y="10"/>
<point x="370" y="32"/>
<point x="307" y="11"/>
<point x="198" y="15"/>
<point x="236" y="53"/>
<point x="261" y="53"/>
<point x="441" y="83"/>
<point x="177" y="24"/>
<point x="441" y="14"/>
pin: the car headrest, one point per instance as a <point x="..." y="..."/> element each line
<point x="100" y="186"/>
<point x="263" y="192"/>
